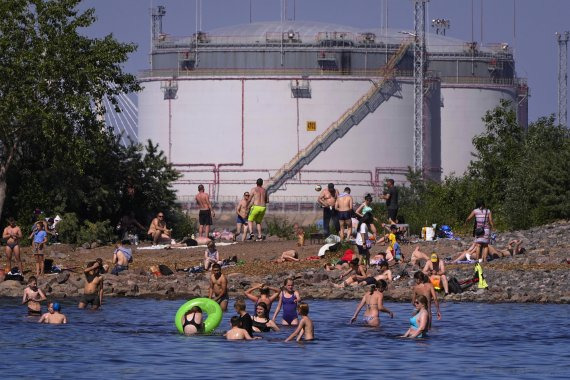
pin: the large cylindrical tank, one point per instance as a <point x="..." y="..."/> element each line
<point x="239" y="103"/>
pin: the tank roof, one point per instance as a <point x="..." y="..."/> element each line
<point x="310" y="32"/>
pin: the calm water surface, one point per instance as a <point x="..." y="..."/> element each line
<point x="136" y="338"/>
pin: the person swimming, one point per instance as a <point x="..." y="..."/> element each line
<point x="288" y="299"/>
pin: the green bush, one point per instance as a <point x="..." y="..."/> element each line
<point x="98" y="231"/>
<point x="180" y="223"/>
<point x="280" y="227"/>
<point x="68" y="228"/>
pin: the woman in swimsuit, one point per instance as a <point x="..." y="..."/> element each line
<point x="288" y="298"/>
<point x="265" y="295"/>
<point x="419" y="321"/>
<point x="261" y="321"/>
<point x="374" y="305"/>
<point x="192" y="321"/>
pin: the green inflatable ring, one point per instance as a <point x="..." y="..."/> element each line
<point x="208" y="306"/>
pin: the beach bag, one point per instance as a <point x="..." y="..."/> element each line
<point x="164" y="270"/>
<point x="454" y="286"/>
<point x="480" y="231"/>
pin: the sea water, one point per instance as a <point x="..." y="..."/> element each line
<point x="137" y="339"/>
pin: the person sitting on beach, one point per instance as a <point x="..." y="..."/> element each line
<point x="385" y="272"/>
<point x="425" y="288"/>
<point x="290" y="255"/>
<point x="122" y="256"/>
<point x="374" y="301"/>
<point x="305" y="328"/>
<point x="289" y="298"/>
<point x="54" y="315"/>
<point x="218" y="290"/>
<point x="264" y="295"/>
<point x="245" y="321"/>
<point x="39" y="236"/>
<point x="343" y="205"/>
<point x="236" y="333"/>
<point x="13" y="234"/>
<point x="435" y="269"/>
<point x="158" y="231"/>
<point x="93" y="290"/>
<point x="211" y="256"/>
<point x="242" y="212"/>
<point x="33" y="296"/>
<point x="343" y="262"/>
<point x="261" y="321"/>
<point x="418" y="255"/>
<point x="419" y="321"/>
<point x="192" y="322"/>
<point x="360" y="274"/>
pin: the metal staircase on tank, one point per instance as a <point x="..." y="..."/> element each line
<point x="368" y="103"/>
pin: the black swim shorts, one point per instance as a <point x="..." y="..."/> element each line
<point x="205" y="218"/>
<point x="92" y="298"/>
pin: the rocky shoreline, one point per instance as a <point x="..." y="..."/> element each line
<point x="541" y="275"/>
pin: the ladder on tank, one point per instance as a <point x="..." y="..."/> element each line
<point x="378" y="94"/>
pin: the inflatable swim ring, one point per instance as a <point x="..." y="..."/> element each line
<point x="208" y="306"/>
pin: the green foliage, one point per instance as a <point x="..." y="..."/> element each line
<point x="68" y="228"/>
<point x="99" y="231"/>
<point x="180" y="223"/>
<point x="280" y="227"/>
<point x="523" y="177"/>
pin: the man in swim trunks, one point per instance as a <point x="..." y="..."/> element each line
<point x="258" y="202"/>
<point x="343" y="205"/>
<point x="327" y="200"/>
<point x="158" y="231"/>
<point x="92" y="293"/>
<point x="242" y="212"/>
<point x="13" y="234"/>
<point x="53" y="316"/>
<point x="218" y="290"/>
<point x="206" y="212"/>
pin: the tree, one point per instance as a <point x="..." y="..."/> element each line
<point x="52" y="84"/>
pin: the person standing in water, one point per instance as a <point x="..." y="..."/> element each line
<point x="425" y="288"/>
<point x="33" y="296"/>
<point x="374" y="301"/>
<point x="13" y="235"/>
<point x="305" y="328"/>
<point x="419" y="321"/>
<point x="257" y="204"/>
<point x="289" y="298"/>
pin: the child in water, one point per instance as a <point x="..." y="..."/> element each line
<point x="54" y="315"/>
<point x="33" y="296"/>
<point x="237" y="333"/>
<point x="305" y="327"/>
<point x="289" y="298"/>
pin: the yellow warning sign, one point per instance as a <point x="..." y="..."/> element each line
<point x="311" y="126"/>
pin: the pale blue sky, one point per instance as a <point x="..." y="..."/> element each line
<point x="535" y="45"/>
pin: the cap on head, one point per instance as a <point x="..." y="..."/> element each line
<point x="434" y="258"/>
<point x="56" y="306"/>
